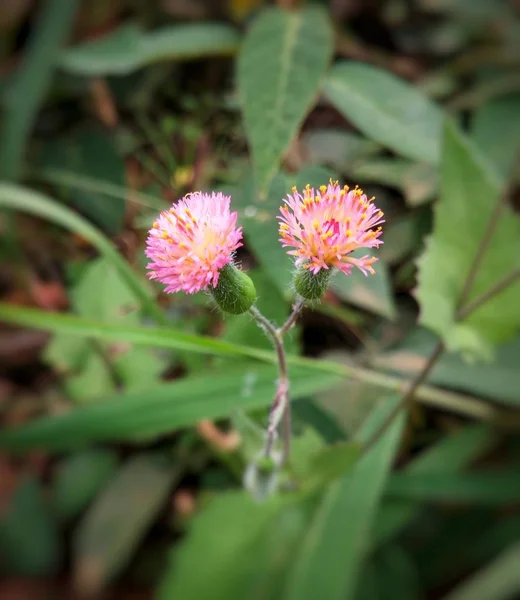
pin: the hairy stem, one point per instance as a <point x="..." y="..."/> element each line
<point x="281" y="409"/>
<point x="281" y="399"/>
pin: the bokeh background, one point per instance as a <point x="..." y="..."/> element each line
<point x="129" y="418"/>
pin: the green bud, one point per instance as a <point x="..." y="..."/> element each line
<point x="235" y="292"/>
<point x="309" y="285"/>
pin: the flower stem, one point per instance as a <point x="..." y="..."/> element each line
<point x="281" y="409"/>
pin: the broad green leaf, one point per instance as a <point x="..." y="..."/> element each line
<point x="470" y="192"/>
<point x="107" y="536"/>
<point x="372" y="292"/>
<point x="258" y="217"/>
<point x="386" y="109"/>
<point x="339" y="149"/>
<point x="450" y="455"/>
<point x="329" y="558"/>
<point x="91" y="153"/>
<point x="280" y="67"/>
<point x="496" y="380"/>
<point x="417" y="181"/>
<point x="496" y="131"/>
<point x="39" y="205"/>
<point x="29" y="537"/>
<point x="78" y="478"/>
<point x="31" y="83"/>
<point x="102" y="364"/>
<point x="330" y="464"/>
<point x="161" y="409"/>
<point x="485" y="488"/>
<point x="498" y="580"/>
<point x="247" y="562"/>
<point x="129" y="48"/>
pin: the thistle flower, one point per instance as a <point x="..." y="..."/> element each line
<point x="325" y="226"/>
<point x="189" y="244"/>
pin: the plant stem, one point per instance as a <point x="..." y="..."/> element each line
<point x="292" y="317"/>
<point x="281" y="399"/>
<point x="281" y="409"/>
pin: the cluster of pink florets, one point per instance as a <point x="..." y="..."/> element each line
<point x="324" y="226"/>
<point x="191" y="242"/>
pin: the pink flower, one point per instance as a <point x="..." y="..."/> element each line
<point x="191" y="242"/>
<point x="325" y="226"/>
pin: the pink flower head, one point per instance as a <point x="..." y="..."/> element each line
<point x="191" y="242"/>
<point x="325" y="226"/>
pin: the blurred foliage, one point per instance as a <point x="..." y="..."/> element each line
<point x="131" y="419"/>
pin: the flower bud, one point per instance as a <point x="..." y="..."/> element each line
<point x="235" y="292"/>
<point x="311" y="286"/>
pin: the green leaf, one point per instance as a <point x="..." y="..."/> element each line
<point x="32" y="81"/>
<point x="129" y="48"/>
<point x="483" y="488"/>
<point x="496" y="581"/>
<point x="496" y="131"/>
<point x="282" y="61"/>
<point x="258" y="217"/>
<point x="246" y="562"/>
<point x="339" y="149"/>
<point x="450" y="455"/>
<point x="372" y="292"/>
<point x="329" y="558"/>
<point x="29" y="539"/>
<point x="161" y="409"/>
<point x="470" y="192"/>
<point x="90" y="153"/>
<point x="40" y="205"/>
<point x="94" y="368"/>
<point x="496" y="380"/>
<point x="329" y="464"/>
<point x="78" y="478"/>
<point x="386" y="109"/>
<point x="107" y="536"/>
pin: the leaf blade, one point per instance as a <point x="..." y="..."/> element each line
<point x="280" y="67"/>
<point x="449" y="256"/>
<point x="386" y="109"/>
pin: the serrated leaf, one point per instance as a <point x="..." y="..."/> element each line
<point x="329" y="557"/>
<point x="470" y="192"/>
<point x="129" y="48"/>
<point x="282" y="61"/>
<point x="386" y="109"/>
